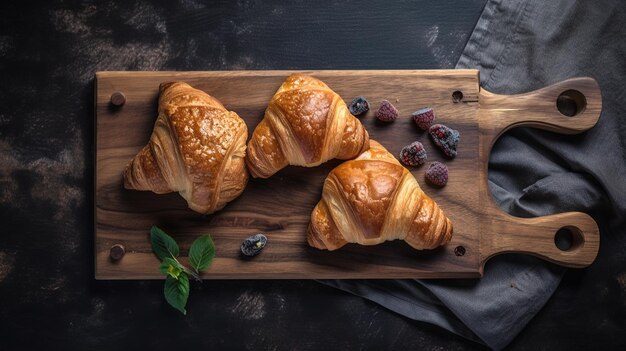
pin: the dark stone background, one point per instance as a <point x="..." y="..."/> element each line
<point x="49" y="52"/>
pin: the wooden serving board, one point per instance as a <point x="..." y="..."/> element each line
<point x="281" y="206"/>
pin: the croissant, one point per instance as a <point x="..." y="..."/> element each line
<point x="197" y="148"/>
<point x="372" y="199"/>
<point x="305" y="124"/>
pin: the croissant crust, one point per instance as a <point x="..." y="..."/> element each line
<point x="197" y="148"/>
<point x="305" y="124"/>
<point x="372" y="199"/>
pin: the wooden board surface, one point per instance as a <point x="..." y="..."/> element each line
<point x="281" y="206"/>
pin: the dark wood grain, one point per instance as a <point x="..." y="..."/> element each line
<point x="281" y="206"/>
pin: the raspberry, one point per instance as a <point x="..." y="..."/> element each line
<point x="413" y="154"/>
<point x="437" y="174"/>
<point x="359" y="106"/>
<point x="446" y="138"/>
<point x="387" y="112"/>
<point x="424" y="117"/>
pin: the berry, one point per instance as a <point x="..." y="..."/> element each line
<point x="437" y="174"/>
<point x="424" y="117"/>
<point x="359" y="106"/>
<point x="413" y="154"/>
<point x="446" y="138"/>
<point x="253" y="245"/>
<point x="387" y="112"/>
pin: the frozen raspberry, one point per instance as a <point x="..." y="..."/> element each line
<point x="413" y="154"/>
<point x="446" y="138"/>
<point x="359" y="106"/>
<point x="437" y="174"/>
<point x="424" y="117"/>
<point x="387" y="112"/>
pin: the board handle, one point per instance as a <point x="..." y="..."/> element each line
<point x="568" y="107"/>
<point x="569" y="239"/>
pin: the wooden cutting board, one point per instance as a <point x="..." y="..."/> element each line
<point x="281" y="206"/>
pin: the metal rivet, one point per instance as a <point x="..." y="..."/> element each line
<point x="118" y="98"/>
<point x="117" y="252"/>
<point x="459" y="251"/>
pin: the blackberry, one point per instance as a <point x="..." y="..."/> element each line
<point x="413" y="154"/>
<point x="359" y="106"/>
<point x="253" y="245"/>
<point x="445" y="138"/>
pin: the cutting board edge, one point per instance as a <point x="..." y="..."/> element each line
<point x="416" y="72"/>
<point x="465" y="76"/>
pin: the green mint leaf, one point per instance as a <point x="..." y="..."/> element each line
<point x="162" y="244"/>
<point x="201" y="253"/>
<point x="177" y="291"/>
<point x="171" y="267"/>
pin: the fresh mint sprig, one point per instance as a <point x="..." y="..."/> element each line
<point x="163" y="245"/>
<point x="177" y="275"/>
<point x="201" y="253"/>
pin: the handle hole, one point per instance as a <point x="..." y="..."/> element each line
<point x="568" y="238"/>
<point x="457" y="96"/>
<point x="459" y="250"/>
<point x="571" y="103"/>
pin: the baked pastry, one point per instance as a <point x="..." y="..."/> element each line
<point x="305" y="124"/>
<point x="372" y="199"/>
<point x="197" y="148"/>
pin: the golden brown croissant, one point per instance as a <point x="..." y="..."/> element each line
<point x="197" y="148"/>
<point x="305" y="124"/>
<point x="372" y="199"/>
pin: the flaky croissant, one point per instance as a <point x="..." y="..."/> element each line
<point x="305" y="124"/>
<point x="197" y="148"/>
<point x="372" y="199"/>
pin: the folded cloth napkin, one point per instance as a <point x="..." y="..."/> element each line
<point x="520" y="46"/>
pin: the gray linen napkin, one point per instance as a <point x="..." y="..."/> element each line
<point x="521" y="46"/>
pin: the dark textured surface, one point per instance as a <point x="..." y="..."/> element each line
<point x="49" y="53"/>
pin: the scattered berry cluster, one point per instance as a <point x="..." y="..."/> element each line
<point x="414" y="154"/>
